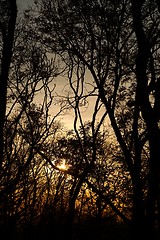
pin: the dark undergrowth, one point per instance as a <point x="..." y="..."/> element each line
<point x="86" y="230"/>
<point x="83" y="231"/>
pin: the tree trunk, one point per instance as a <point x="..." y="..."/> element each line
<point x="7" y="29"/>
<point x="138" y="218"/>
<point x="150" y="119"/>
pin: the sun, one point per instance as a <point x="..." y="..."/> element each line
<point x="63" y="165"/>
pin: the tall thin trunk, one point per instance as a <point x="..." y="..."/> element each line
<point x="148" y="115"/>
<point x="7" y="28"/>
<point x="138" y="219"/>
<point x="8" y="38"/>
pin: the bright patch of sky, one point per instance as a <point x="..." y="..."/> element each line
<point x="68" y="117"/>
<point x="23" y="4"/>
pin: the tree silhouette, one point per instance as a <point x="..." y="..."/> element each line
<point x="117" y="43"/>
<point x="7" y="27"/>
<point x="25" y="71"/>
<point x="8" y="14"/>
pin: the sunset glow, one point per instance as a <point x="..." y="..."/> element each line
<point x="63" y="165"/>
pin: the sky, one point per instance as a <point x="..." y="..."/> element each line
<point x="66" y="119"/>
<point x="24" y="3"/>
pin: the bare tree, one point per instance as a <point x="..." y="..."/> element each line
<point x="108" y="39"/>
<point x="26" y="71"/>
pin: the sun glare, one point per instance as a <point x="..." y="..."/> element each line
<point x="63" y="165"/>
